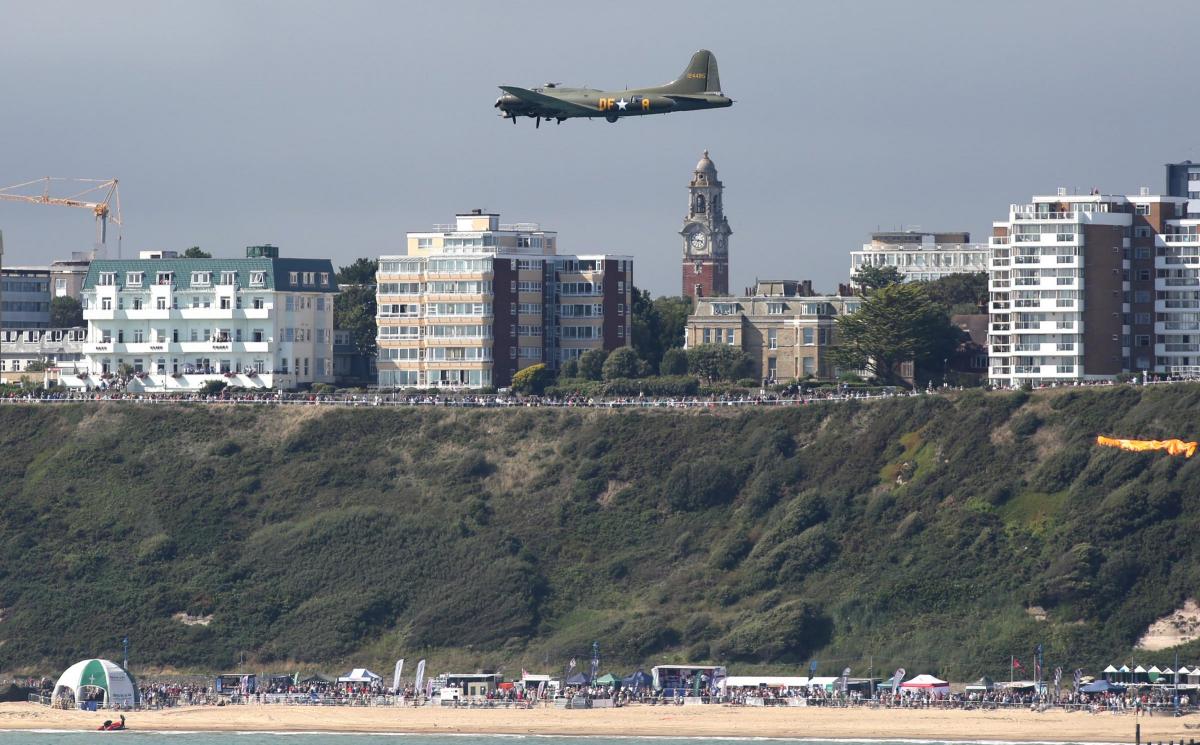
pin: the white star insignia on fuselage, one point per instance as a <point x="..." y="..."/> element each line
<point x="621" y="104"/>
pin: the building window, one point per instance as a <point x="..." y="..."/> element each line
<point x="258" y="279"/>
<point x="1141" y="252"/>
<point x="729" y="336"/>
<point x="772" y="340"/>
<point x="775" y="309"/>
<point x="1141" y="296"/>
<point x="107" y="279"/>
<point x="133" y="279"/>
<point x="202" y="279"/>
<point x="1141" y="209"/>
<point x="809" y="366"/>
<point x="229" y="278"/>
<point x="707" y="336"/>
<point x="294" y="277"/>
<point x="164" y="278"/>
<point x="808" y="336"/>
<point x="1142" y="340"/>
<point x="160" y="303"/>
<point x="308" y="280"/>
<point x="324" y="279"/>
<point x="105" y="303"/>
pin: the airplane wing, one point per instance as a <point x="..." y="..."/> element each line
<point x="550" y="102"/>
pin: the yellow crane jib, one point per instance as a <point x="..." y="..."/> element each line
<point x="1173" y="447"/>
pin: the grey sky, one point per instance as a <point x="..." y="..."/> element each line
<point x="330" y="129"/>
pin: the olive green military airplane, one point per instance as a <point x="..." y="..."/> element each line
<point x="699" y="87"/>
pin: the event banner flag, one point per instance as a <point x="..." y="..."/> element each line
<point x="844" y="683"/>
<point x="396" y="674"/>
<point x="897" y="679"/>
<point x="420" y="676"/>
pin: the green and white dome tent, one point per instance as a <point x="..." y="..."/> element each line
<point x="97" y="680"/>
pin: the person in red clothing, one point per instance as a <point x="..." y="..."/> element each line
<point x="111" y="726"/>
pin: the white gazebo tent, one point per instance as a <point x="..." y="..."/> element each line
<point x="928" y="683"/>
<point x="96" y="680"/>
<point x="360" y="675"/>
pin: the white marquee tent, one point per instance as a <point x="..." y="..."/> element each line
<point x="99" y="680"/>
<point x="926" y="683"/>
<point x="359" y="675"/>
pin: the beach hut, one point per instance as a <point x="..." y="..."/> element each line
<point x="926" y="683"/>
<point x="1153" y="673"/>
<point x="98" y="682"/>
<point x="1109" y="672"/>
<point x="1139" y="675"/>
<point x="1123" y="673"/>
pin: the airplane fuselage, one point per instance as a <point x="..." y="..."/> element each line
<point x="611" y="105"/>
<point x="698" y="87"/>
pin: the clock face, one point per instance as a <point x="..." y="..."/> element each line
<point x="698" y="241"/>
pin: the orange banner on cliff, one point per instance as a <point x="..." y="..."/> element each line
<point x="1174" y="447"/>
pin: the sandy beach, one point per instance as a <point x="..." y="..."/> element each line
<point x="699" y="721"/>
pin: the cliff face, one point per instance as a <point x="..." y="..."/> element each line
<point x="944" y="534"/>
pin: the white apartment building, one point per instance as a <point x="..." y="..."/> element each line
<point x="1087" y="287"/>
<point x="470" y="304"/>
<point x="922" y="256"/>
<point x="173" y="324"/>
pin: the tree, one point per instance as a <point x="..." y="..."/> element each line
<point x="65" y="313"/>
<point x="674" y="362"/>
<point x="37" y="366"/>
<point x="196" y="253"/>
<point x="361" y="272"/>
<point x="623" y="363"/>
<point x="354" y="311"/>
<point x="872" y="278"/>
<point x="962" y="292"/>
<point x="591" y="364"/>
<point x="569" y="369"/>
<point x="719" y="362"/>
<point x="533" y="379"/>
<point x="894" y="324"/>
<point x="657" y="325"/>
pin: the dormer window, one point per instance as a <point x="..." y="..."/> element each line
<point x="133" y="279"/>
<point x="324" y="279"/>
<point x="258" y="279"/>
<point x="201" y="279"/>
<point x="107" y="279"/>
<point x="229" y="278"/>
<point x="294" y="277"/>
<point x="164" y="278"/>
<point x="308" y="278"/>
<point x="775" y="309"/>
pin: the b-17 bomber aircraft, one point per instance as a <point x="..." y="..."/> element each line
<point x="699" y="87"/>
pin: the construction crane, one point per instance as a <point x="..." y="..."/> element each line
<point x="108" y="208"/>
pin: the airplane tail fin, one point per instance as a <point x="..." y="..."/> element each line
<point x="700" y="76"/>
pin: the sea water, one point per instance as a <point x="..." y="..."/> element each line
<point x="144" y="737"/>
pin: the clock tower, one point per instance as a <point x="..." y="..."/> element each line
<point x="705" y="235"/>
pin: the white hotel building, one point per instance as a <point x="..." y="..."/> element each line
<point x="172" y="324"/>
<point x="472" y="303"/>
<point x="1088" y="287"/>
<point x="922" y="256"/>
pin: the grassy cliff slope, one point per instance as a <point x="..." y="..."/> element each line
<point x="926" y="532"/>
